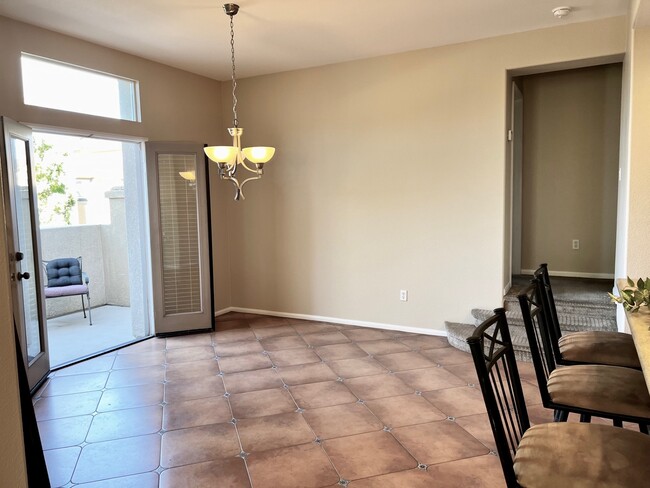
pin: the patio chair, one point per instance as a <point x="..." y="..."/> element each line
<point x="551" y="454"/>
<point x="65" y="278"/>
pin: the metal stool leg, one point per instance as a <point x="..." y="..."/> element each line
<point x="90" y="316"/>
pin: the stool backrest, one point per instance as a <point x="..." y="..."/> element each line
<point x="496" y="367"/>
<point x="548" y="302"/>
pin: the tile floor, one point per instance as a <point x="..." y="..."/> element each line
<point x="272" y="402"/>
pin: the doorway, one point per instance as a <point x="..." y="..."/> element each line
<point x="566" y="132"/>
<point x="89" y="210"/>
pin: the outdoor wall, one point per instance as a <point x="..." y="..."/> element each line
<point x="389" y="175"/>
<point x="176" y="106"/>
<point x="114" y="249"/>
<point x="570" y="169"/>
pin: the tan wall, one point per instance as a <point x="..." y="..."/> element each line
<point x="570" y="169"/>
<point x="638" y="251"/>
<point x="389" y="175"/>
<point x="176" y="106"/>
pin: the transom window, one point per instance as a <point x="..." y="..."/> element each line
<point x="53" y="84"/>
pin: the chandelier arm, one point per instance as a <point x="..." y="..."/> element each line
<point x="249" y="179"/>
<point x="243" y="163"/>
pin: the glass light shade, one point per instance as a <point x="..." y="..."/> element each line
<point x="259" y="154"/>
<point x="221" y="154"/>
<point x="188" y="175"/>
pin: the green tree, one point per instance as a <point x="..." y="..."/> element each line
<point x="53" y="195"/>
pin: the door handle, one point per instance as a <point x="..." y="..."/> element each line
<point x="23" y="276"/>
<point x="19" y="256"/>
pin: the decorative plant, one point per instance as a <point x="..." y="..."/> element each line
<point x="634" y="295"/>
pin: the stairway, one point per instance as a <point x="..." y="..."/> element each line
<point x="581" y="304"/>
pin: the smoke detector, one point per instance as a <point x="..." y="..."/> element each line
<point x="561" y="12"/>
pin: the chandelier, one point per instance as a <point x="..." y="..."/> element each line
<point x="230" y="158"/>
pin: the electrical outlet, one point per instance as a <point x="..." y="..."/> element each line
<point x="576" y="244"/>
<point x="404" y="295"/>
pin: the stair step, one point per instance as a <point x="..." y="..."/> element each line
<point x="566" y="307"/>
<point x="458" y="333"/>
<point x="568" y="322"/>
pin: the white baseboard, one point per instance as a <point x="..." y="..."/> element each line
<point x="507" y="288"/>
<point x="336" y="320"/>
<point x="573" y="274"/>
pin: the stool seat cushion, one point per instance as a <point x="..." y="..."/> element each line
<point x="598" y="347"/>
<point x="582" y="456"/>
<point x="613" y="389"/>
<point x="65" y="291"/>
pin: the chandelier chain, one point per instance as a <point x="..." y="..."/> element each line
<point x="234" y="78"/>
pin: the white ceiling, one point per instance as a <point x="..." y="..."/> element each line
<point x="281" y="35"/>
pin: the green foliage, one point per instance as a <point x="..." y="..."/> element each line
<point x="53" y="195"/>
<point x="634" y="295"/>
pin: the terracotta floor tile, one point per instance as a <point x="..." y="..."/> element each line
<point x="342" y="420"/>
<point x="413" y="478"/>
<point x="378" y="386"/>
<point x="130" y="397"/>
<point x="430" y="379"/>
<point x="293" y="357"/>
<point x="274" y="432"/>
<point x="283" y="342"/>
<point x="465" y="371"/>
<point x="538" y="414"/>
<point x="245" y="362"/>
<point x="323" y="394"/>
<point x="325" y="338"/>
<point x="186" y="354"/>
<point x="304" y="466"/>
<point x="366" y="334"/>
<point x="223" y="323"/>
<point x="189" y="371"/>
<point x="226" y="473"/>
<point x="260" y="403"/>
<point x="78" y="383"/>
<point x="479" y="427"/>
<point x="238" y="348"/>
<point x="193" y="413"/>
<point x="457" y="402"/>
<point x="262" y="321"/>
<point x="125" y="423"/>
<point x="532" y="395"/>
<point x="383" y="347"/>
<point x="404" y="410"/>
<point x="201" y="387"/>
<point x="142" y="480"/>
<point x="202" y="339"/>
<point x="438" y="442"/>
<point x="306" y="373"/>
<point x="402" y="361"/>
<point x="198" y="444"/>
<point x="447" y="356"/>
<point x="139" y="360"/>
<point x="477" y="472"/>
<point x="57" y="407"/>
<point x="527" y="372"/>
<point x="121" y="457"/>
<point x="334" y="352"/>
<point x="312" y="327"/>
<point x="353" y="460"/>
<point x="418" y="342"/>
<point x="150" y="345"/>
<point x="352" y="368"/>
<point x="135" y="376"/>
<point x="66" y="432"/>
<point x="61" y="464"/>
<point x="233" y="335"/>
<point x="268" y="332"/>
<point x="262" y="379"/>
<point x="95" y="365"/>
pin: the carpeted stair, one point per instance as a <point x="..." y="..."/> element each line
<point x="582" y="305"/>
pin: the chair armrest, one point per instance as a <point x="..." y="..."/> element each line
<point x="84" y="275"/>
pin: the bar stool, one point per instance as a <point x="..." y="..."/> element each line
<point x="553" y="454"/>
<point x="589" y="347"/>
<point x="612" y="392"/>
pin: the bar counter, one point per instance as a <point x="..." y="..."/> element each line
<point x="639" y="323"/>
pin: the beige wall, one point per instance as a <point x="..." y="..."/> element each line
<point x="176" y="106"/>
<point x="570" y="169"/>
<point x="638" y="250"/>
<point x="389" y="175"/>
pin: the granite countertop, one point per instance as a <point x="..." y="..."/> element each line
<point x="639" y="323"/>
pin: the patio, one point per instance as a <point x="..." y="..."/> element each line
<point x="70" y="337"/>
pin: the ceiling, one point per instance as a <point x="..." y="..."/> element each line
<point x="281" y="35"/>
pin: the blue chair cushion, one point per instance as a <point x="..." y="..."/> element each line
<point x="63" y="272"/>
